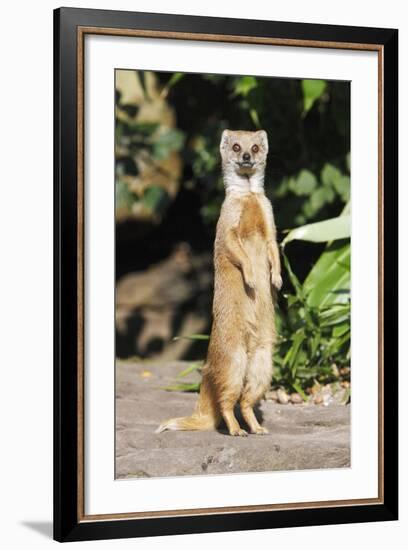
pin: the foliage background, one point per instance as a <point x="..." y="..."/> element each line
<point x="169" y="191"/>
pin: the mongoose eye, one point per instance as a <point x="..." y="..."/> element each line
<point x="236" y="147"/>
<point x="255" y="148"/>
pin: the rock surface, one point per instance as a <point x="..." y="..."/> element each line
<point x="300" y="436"/>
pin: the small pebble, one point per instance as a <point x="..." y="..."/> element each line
<point x="296" y="398"/>
<point x="145" y="374"/>
<point x="327" y="399"/>
<point x="271" y="395"/>
<point x="318" y="400"/>
<point x="283" y="397"/>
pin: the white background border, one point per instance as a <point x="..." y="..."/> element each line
<point x="102" y="493"/>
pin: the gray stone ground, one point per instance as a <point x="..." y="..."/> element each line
<point x="301" y="436"/>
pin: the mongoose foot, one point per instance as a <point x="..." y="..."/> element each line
<point x="239" y="431"/>
<point x="250" y="284"/>
<point x="276" y="281"/>
<point x="260" y="431"/>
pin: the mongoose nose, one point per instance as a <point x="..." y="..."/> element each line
<point x="246" y="156"/>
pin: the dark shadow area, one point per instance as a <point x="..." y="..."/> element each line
<point x="44" y="528"/>
<point x="141" y="244"/>
<point x="126" y="341"/>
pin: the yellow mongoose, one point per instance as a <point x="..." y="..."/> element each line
<point x="246" y="262"/>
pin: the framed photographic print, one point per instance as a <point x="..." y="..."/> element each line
<point x="225" y="274"/>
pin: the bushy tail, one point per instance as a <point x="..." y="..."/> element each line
<point x="193" y="422"/>
<point x="205" y="417"/>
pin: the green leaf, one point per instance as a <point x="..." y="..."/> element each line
<point x="329" y="174"/>
<point x="342" y="329"/>
<point x="307" y="373"/>
<point x="124" y="198"/>
<point x="329" y="275"/>
<point x="336" y="314"/>
<point x="327" y="230"/>
<point x="166" y="142"/>
<point x="346" y="209"/>
<point x="337" y="343"/>
<point x="244" y="85"/>
<point x="293" y="279"/>
<point x="292" y="299"/>
<point x="195" y="365"/>
<point x="313" y="343"/>
<point x="175" y="77"/>
<point x="320" y="197"/>
<point x="292" y="354"/>
<point x="332" y="177"/>
<point x="335" y="321"/>
<point x="297" y="387"/>
<point x="193" y="387"/>
<point x="342" y="186"/>
<point x="255" y="118"/>
<point x="304" y="184"/>
<point x="155" y="199"/>
<point x="312" y="91"/>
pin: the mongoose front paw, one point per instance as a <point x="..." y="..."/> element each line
<point x="250" y="286"/>
<point x="276" y="280"/>
<point x="239" y="431"/>
<point x="260" y="431"/>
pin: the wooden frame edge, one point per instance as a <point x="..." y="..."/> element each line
<point x="380" y="297"/>
<point x="191" y="512"/>
<point x="80" y="274"/>
<point x="206" y="37"/>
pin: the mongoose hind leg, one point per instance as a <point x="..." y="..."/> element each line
<point x="258" y="379"/>
<point x="227" y="403"/>
<point x="228" y="370"/>
<point x="250" y="418"/>
<point x="232" y="423"/>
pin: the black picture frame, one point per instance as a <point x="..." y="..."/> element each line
<point x="68" y="525"/>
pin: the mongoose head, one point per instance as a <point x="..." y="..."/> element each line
<point x="244" y="153"/>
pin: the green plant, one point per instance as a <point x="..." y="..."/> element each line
<point x="314" y="329"/>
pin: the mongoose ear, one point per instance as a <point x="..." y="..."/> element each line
<point x="264" y="139"/>
<point x="224" y="139"/>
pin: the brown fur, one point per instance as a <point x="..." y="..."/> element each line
<point x="246" y="261"/>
